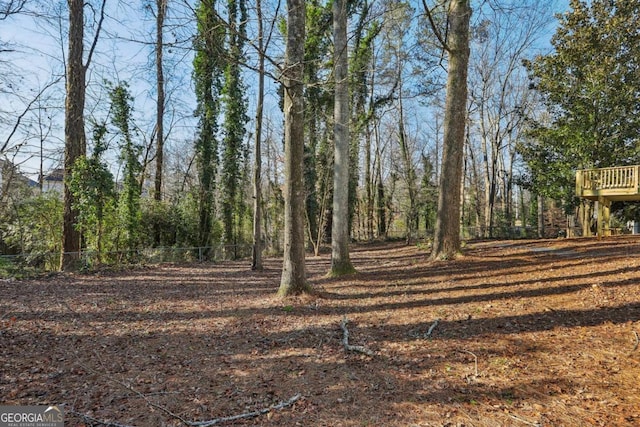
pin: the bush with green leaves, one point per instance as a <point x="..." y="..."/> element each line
<point x="93" y="188"/>
<point x="35" y="229"/>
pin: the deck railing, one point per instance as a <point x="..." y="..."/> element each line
<point x="623" y="179"/>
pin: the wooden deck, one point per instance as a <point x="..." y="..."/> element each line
<point x="606" y="185"/>
<point x="614" y="184"/>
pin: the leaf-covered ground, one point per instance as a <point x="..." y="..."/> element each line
<point x="528" y="333"/>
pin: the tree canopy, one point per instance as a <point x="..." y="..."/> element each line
<point x="590" y="86"/>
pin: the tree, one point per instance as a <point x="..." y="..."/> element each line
<point x="318" y="158"/>
<point x="398" y="57"/>
<point x="500" y="98"/>
<point x="74" y="134"/>
<point x="129" y="200"/>
<point x="256" y="250"/>
<point x="446" y="242"/>
<point x="235" y="118"/>
<point x="11" y="7"/>
<point x="293" y="280"/>
<point x="365" y="32"/>
<point x="590" y="87"/>
<point x="161" y="10"/>
<point x="207" y="71"/>
<point x="93" y="190"/>
<point x="340" y="262"/>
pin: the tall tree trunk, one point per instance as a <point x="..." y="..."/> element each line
<point x="209" y="48"/>
<point x="381" y="198"/>
<point x="340" y="262"/>
<point x="75" y="139"/>
<point x="256" y="252"/>
<point x="368" y="182"/>
<point x="540" y="216"/>
<point x="161" y="6"/>
<point x="409" y="172"/>
<point x="293" y="280"/>
<point x="446" y="243"/>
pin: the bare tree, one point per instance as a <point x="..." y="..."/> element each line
<point x="256" y="251"/>
<point x="11" y="7"/>
<point x="161" y="10"/>
<point x="500" y="98"/>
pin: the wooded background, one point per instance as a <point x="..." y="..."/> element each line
<point x="166" y="117"/>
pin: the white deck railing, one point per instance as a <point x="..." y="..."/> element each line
<point x="622" y="179"/>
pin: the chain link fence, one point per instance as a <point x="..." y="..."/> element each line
<point x="22" y="265"/>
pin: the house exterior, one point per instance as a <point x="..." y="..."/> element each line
<point x="54" y="181"/>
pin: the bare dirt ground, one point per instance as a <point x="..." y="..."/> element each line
<point x="528" y="333"/>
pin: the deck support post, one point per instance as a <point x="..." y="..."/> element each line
<point x="604" y="216"/>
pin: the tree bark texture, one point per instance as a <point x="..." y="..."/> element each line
<point x="74" y="133"/>
<point x="446" y="243"/>
<point x="340" y="262"/>
<point x="293" y="280"/>
<point x="161" y="6"/>
<point x="256" y="252"/>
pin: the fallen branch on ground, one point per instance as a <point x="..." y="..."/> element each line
<point x="431" y="328"/>
<point x="245" y="415"/>
<point x="345" y="341"/>
<point x="635" y="347"/>
<point x="94" y="421"/>
<point x="475" y="359"/>
<point x="522" y="420"/>
<point x="152" y="404"/>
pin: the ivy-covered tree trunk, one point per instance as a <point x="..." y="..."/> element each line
<point x="293" y="280"/>
<point x="75" y="139"/>
<point x="340" y="262"/>
<point x="93" y="189"/>
<point x="129" y="203"/>
<point x="207" y="70"/>
<point x="446" y="242"/>
<point x="235" y="118"/>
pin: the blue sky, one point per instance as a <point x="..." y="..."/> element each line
<point x="39" y="57"/>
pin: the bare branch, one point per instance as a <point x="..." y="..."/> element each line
<point x="94" y="421"/>
<point x="97" y="35"/>
<point x="349" y="347"/>
<point x="11" y="7"/>
<point x="246" y="415"/>
<point x="432" y="327"/>
<point x="434" y="27"/>
<point x="25" y="112"/>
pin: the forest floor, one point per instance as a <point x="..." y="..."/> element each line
<point x="513" y="333"/>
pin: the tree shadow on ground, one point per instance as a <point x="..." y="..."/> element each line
<point x="534" y="339"/>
